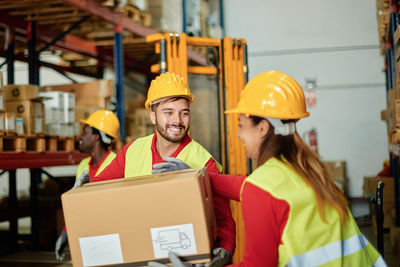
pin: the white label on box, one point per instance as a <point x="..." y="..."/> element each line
<point x="101" y="250"/>
<point x="20" y="125"/>
<point x="177" y="238"/>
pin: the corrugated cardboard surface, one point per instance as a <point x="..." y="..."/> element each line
<point x="132" y="207"/>
<point x="32" y="113"/>
<point x="99" y="88"/>
<point x="16" y="92"/>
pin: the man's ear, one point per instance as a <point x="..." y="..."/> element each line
<point x="153" y="117"/>
<point x="263" y="128"/>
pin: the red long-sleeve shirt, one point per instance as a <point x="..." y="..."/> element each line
<point x="264" y="218"/>
<point x="226" y="231"/>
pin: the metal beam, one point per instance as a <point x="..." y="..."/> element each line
<point x="32" y="55"/>
<point x="119" y="73"/>
<point x="62" y="35"/>
<point x="110" y="16"/>
<point x="69" y="43"/>
<point x="10" y="55"/>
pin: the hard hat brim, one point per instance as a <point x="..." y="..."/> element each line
<point x="238" y="111"/>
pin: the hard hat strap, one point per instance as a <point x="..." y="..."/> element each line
<point x="282" y="128"/>
<point x="107" y="140"/>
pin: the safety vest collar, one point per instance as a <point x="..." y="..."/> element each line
<point x="101" y="161"/>
<point x="186" y="140"/>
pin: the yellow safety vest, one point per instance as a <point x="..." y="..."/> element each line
<point x="84" y="164"/>
<point x="306" y="239"/>
<point x="138" y="158"/>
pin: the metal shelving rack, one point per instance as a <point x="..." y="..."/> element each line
<point x="39" y="38"/>
<point x="390" y="74"/>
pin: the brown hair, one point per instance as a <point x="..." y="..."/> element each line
<point x="306" y="163"/>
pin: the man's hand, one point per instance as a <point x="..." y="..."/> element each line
<point x="221" y="257"/>
<point x="61" y="243"/>
<point x="176" y="262"/>
<point x="82" y="179"/>
<point x="170" y="164"/>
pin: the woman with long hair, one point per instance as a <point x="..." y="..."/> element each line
<point x="294" y="215"/>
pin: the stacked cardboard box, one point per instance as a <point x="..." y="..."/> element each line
<point x="138" y="124"/>
<point x="92" y="94"/>
<point x="60" y="113"/>
<point x="155" y="222"/>
<point x="24" y="102"/>
<point x="2" y="108"/>
<point x="369" y="189"/>
<point x="89" y="97"/>
<point x="337" y="170"/>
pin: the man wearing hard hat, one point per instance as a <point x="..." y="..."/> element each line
<point x="171" y="148"/>
<point x="100" y="128"/>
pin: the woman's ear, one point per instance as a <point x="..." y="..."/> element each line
<point x="263" y="128"/>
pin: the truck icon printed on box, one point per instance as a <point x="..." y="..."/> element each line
<point x="172" y="239"/>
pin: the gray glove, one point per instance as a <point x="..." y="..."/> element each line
<point x="82" y="179"/>
<point x="61" y="243"/>
<point x="170" y="164"/>
<point x="220" y="257"/>
<point x="176" y="262"/>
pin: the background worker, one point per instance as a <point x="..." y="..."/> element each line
<point x="98" y="131"/>
<point x="168" y="102"/>
<point x="294" y="215"/>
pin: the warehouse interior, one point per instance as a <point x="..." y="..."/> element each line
<point x="106" y="53"/>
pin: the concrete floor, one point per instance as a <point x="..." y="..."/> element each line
<point x="47" y="259"/>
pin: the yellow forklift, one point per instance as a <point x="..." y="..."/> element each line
<point x="227" y="60"/>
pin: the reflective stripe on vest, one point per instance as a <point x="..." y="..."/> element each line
<point x="307" y="240"/>
<point x="84" y="164"/>
<point x="138" y="158"/>
<point x="332" y="252"/>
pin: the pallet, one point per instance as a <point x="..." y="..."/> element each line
<point x="66" y="144"/>
<point x="36" y="143"/>
<point x="51" y="143"/>
<point x="14" y="143"/>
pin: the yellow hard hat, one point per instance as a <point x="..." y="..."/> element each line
<point x="272" y="94"/>
<point x="105" y="121"/>
<point x="167" y="85"/>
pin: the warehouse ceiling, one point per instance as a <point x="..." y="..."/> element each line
<point x="91" y="41"/>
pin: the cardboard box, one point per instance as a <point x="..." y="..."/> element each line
<point x="135" y="103"/>
<point x="69" y="100"/>
<point x="1" y="80"/>
<point x="83" y="112"/>
<point x="370" y="184"/>
<point x="53" y="115"/>
<point x="2" y="97"/>
<point x="2" y="122"/>
<point x="139" y="219"/>
<point x="9" y="122"/>
<point x="142" y="117"/>
<point x="56" y="99"/>
<point x="96" y="102"/>
<point x="32" y="113"/>
<point x="19" y="125"/>
<point x="99" y="88"/>
<point x="337" y="169"/>
<point x="383" y="115"/>
<point x="16" y="92"/>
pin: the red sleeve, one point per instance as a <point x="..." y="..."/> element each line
<point x="265" y="218"/>
<point x="115" y="169"/>
<point x="227" y="185"/>
<point x="226" y="228"/>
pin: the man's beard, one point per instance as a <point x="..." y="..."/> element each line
<point x="164" y="134"/>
